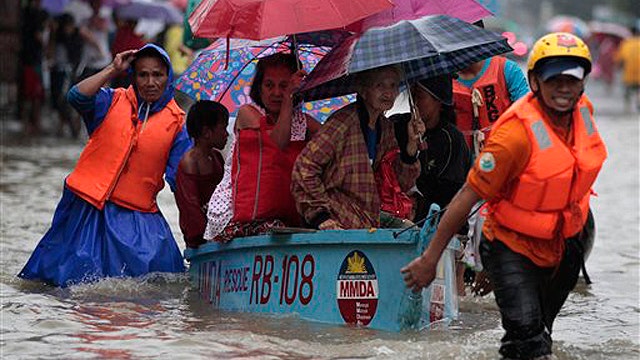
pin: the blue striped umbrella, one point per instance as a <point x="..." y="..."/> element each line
<point x="226" y="76"/>
<point x="425" y="47"/>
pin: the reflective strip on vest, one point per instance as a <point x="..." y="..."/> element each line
<point x="586" y="118"/>
<point x="541" y="134"/>
<point x="551" y="196"/>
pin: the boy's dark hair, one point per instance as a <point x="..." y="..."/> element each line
<point x="205" y="113"/>
<point x="286" y="60"/>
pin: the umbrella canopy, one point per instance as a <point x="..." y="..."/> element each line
<point x="467" y="10"/>
<point x="210" y="78"/>
<point x="155" y="10"/>
<point x="263" y="19"/>
<point x="608" y="28"/>
<point x="426" y="47"/>
<point x="58" y="7"/>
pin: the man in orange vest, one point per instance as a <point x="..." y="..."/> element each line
<point x="107" y="223"/>
<point x="482" y="92"/>
<point x="536" y="172"/>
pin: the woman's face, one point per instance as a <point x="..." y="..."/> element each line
<point x="273" y="88"/>
<point x="428" y="106"/>
<point x="381" y="91"/>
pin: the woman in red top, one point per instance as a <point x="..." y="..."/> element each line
<point x="270" y="133"/>
<point x="201" y="168"/>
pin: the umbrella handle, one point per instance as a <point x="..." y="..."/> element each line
<point x="294" y="50"/>
<point x="228" y="54"/>
<point x="415" y="114"/>
<point x="241" y="69"/>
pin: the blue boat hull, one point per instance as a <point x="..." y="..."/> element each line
<point x="338" y="276"/>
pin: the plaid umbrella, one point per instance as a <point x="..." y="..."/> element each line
<point x="426" y="47"/>
<point x="210" y="77"/>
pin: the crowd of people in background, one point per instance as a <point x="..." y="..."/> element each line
<point x="60" y="50"/>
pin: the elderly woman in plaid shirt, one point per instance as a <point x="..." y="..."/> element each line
<point x="333" y="179"/>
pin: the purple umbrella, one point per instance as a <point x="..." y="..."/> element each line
<point x="138" y="9"/>
<point x="57" y="7"/>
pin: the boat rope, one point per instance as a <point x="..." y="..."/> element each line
<point x="430" y="216"/>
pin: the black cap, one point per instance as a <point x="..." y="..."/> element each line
<point x="440" y="87"/>
<point x="562" y="66"/>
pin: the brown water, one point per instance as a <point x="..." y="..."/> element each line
<point x="160" y="317"/>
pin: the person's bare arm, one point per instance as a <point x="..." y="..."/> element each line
<point x="281" y="133"/>
<point x="92" y="84"/>
<point x="421" y="271"/>
<point x="248" y="118"/>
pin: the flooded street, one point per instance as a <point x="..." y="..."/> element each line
<point x="160" y="317"/>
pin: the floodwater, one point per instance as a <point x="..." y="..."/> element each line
<point x="161" y="317"/>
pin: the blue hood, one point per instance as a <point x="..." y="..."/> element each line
<point x="168" y="93"/>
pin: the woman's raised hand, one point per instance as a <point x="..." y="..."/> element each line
<point x="415" y="129"/>
<point x="122" y="61"/>
<point x="295" y="81"/>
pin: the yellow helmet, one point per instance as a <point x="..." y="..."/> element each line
<point x="559" y="44"/>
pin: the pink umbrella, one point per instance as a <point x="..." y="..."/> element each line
<point x="263" y="19"/>
<point x="466" y="10"/>
<point x="569" y="24"/>
<point x="608" y="28"/>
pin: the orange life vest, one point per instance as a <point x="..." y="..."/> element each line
<point x="495" y="100"/>
<point x="124" y="160"/>
<point x="550" y="198"/>
<point x="261" y="177"/>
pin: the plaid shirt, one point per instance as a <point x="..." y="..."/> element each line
<point x="333" y="177"/>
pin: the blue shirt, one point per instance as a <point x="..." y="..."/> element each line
<point x="371" y="138"/>
<point x="517" y="84"/>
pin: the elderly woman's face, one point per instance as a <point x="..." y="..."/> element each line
<point x="381" y="90"/>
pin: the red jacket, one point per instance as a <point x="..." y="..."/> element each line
<point x="393" y="200"/>
<point x="261" y="177"/>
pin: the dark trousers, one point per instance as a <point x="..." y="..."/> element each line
<point x="529" y="297"/>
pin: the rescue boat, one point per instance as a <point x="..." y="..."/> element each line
<point x="341" y="277"/>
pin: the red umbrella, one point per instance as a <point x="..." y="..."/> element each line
<point x="263" y="19"/>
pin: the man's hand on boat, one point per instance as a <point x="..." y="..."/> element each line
<point x="419" y="273"/>
<point x="329" y="224"/>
